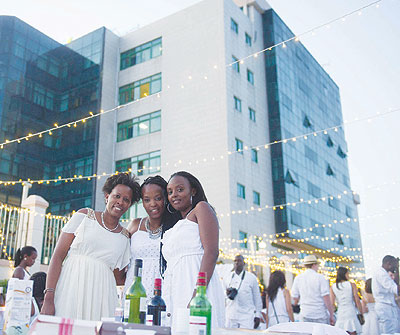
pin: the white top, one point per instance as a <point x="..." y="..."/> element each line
<point x="247" y="303"/>
<point x="279" y="304"/>
<point x="183" y="251"/>
<point x="311" y="287"/>
<point x="26" y="275"/>
<point x="383" y="287"/>
<point x="147" y="249"/>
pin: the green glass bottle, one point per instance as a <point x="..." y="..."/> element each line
<point x="200" y="309"/>
<point x="136" y="298"/>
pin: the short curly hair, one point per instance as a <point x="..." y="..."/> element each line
<point x="123" y="179"/>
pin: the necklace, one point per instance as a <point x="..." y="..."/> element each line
<point x="102" y="222"/>
<point x="153" y="234"/>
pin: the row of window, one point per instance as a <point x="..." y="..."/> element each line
<point x="236" y="67"/>
<point x="139" y="126"/>
<point x="142" y="164"/>
<point x="239" y="148"/>
<point x="235" y="29"/>
<point x="238" y="107"/>
<point x="241" y="193"/>
<point x="141" y="53"/>
<point x="140" y="89"/>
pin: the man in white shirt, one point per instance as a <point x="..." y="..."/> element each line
<point x="311" y="289"/>
<point x="384" y="290"/>
<point x="243" y="310"/>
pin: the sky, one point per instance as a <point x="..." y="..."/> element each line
<point x="360" y="54"/>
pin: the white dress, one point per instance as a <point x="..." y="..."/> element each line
<point x="147" y="249"/>
<point x="347" y="311"/>
<point x="183" y="251"/>
<point x="86" y="288"/>
<point x="371" y="325"/>
<point x="279" y="303"/>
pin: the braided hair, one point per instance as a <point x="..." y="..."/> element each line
<point x="168" y="219"/>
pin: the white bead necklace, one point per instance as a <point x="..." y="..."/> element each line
<point x="153" y="234"/>
<point x="102" y="222"/>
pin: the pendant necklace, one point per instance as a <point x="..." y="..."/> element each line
<point x="153" y="234"/>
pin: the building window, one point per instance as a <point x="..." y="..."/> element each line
<point x="329" y="142"/>
<point x="334" y="203"/>
<point x="248" y="39"/>
<point x="141" y="53"/>
<point x="235" y="65"/>
<point x="241" y="191"/>
<point x="254" y="155"/>
<point x="140" y="89"/>
<point x="252" y="114"/>
<point x="238" y="104"/>
<point x="314" y="190"/>
<point x="138" y="126"/>
<point x="239" y="146"/>
<point x="306" y="122"/>
<point x="141" y="165"/>
<point x="295" y="218"/>
<point x="256" y="198"/>
<point x="311" y="154"/>
<point x="234" y="26"/>
<point x="341" y="153"/>
<point x="291" y="178"/>
<point x="250" y="77"/>
<point x="329" y="171"/>
<point x="243" y="238"/>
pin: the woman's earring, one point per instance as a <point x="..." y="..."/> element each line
<point x="172" y="212"/>
<point x="191" y="199"/>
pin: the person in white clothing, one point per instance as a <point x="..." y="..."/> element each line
<point x="385" y="289"/>
<point x="24" y="257"/>
<point x="278" y="300"/>
<point x="311" y="290"/>
<point x="243" y="301"/>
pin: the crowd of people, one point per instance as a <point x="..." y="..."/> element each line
<point x="177" y="240"/>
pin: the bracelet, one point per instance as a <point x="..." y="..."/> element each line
<point x="49" y="290"/>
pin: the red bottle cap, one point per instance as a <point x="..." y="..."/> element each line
<point x="157" y="283"/>
<point x="202" y="279"/>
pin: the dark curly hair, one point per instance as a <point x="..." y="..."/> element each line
<point x="123" y="179"/>
<point x="39" y="284"/>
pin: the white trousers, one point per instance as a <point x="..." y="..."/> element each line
<point x="388" y="318"/>
<point x="247" y="323"/>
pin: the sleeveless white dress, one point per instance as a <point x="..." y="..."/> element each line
<point x="86" y="288"/>
<point x="347" y="311"/>
<point x="147" y="249"/>
<point x="371" y="325"/>
<point x="183" y="252"/>
<point x="279" y="303"/>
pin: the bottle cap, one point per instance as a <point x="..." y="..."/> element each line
<point x="157" y="283"/>
<point x="202" y="279"/>
<point x="138" y="262"/>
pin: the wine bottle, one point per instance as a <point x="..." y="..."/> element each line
<point x="156" y="309"/>
<point x="136" y="299"/>
<point x="200" y="309"/>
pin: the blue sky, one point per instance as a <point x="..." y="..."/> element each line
<point x="361" y="54"/>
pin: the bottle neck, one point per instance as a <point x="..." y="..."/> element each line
<point x="157" y="292"/>
<point x="200" y="290"/>
<point x="138" y="272"/>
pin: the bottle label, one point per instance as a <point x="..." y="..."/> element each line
<point x="197" y="325"/>
<point x="163" y="321"/>
<point x="139" y="274"/>
<point x="127" y="307"/>
<point x="149" y="320"/>
<point x="143" y="304"/>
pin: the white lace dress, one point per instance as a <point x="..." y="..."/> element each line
<point x="183" y="252"/>
<point x="147" y="249"/>
<point x="347" y="311"/>
<point x="86" y="288"/>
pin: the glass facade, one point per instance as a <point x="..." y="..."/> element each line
<point x="141" y="165"/>
<point x="140" y="89"/>
<point x="138" y="126"/>
<point x="141" y="53"/>
<point x="302" y="98"/>
<point x="41" y="83"/>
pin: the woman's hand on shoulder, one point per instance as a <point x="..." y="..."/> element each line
<point x="133" y="226"/>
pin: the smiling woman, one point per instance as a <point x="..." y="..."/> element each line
<point x="91" y="257"/>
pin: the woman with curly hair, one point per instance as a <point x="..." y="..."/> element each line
<point x="91" y="255"/>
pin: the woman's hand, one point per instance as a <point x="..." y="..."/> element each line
<point x="48" y="304"/>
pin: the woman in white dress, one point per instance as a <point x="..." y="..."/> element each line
<point x="371" y="325"/>
<point x="191" y="246"/>
<point x="146" y="234"/>
<point x="91" y="256"/>
<point x="346" y="295"/>
<point x="278" y="300"/>
<point x="24" y="258"/>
